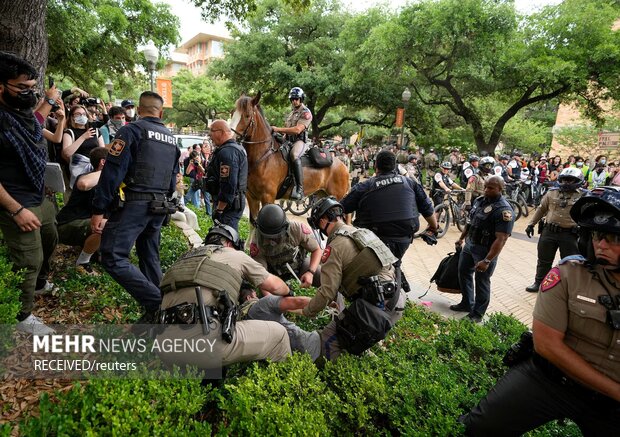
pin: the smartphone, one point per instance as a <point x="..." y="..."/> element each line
<point x="51" y="81"/>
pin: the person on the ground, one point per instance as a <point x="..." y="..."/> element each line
<point x="559" y="229"/>
<point x="390" y="206"/>
<point x="356" y="263"/>
<point x="144" y="157"/>
<point x="219" y="269"/>
<point x="296" y="130"/>
<point x="26" y="216"/>
<point x="443" y="184"/>
<point x="489" y="225"/>
<point x="282" y="247"/>
<point x="227" y="175"/>
<point x="573" y="371"/>
<point x="74" y="218"/>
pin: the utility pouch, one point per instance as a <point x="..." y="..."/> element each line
<point x="117" y="204"/>
<point x="541" y="226"/>
<point x="170" y="206"/>
<point x="158" y="207"/>
<point x="361" y="326"/>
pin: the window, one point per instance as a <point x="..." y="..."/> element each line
<point x="217" y="48"/>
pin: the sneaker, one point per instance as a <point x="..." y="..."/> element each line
<point x="461" y="307"/>
<point x="47" y="288"/>
<point x="86" y="269"/>
<point x="474" y="318"/>
<point x="33" y="325"/>
<point x="533" y="288"/>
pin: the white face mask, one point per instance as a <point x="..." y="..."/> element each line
<point x="80" y="119"/>
<point x="130" y="112"/>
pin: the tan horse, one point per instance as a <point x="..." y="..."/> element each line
<point x="267" y="168"/>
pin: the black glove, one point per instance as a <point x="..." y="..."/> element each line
<point x="217" y="216"/>
<point x="429" y="237"/>
<point x="529" y="231"/>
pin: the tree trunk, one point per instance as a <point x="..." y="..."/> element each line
<point x="22" y="31"/>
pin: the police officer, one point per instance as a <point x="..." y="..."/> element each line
<point x="500" y="168"/>
<point x="145" y="158"/>
<point x="281" y="246"/>
<point x="389" y="205"/>
<point x="514" y="166"/>
<point x="356" y="263"/>
<point x="296" y="130"/>
<point x="227" y="175"/>
<point x="560" y="231"/>
<point x="442" y="183"/>
<point x="357" y="166"/>
<point x="489" y="226"/>
<point x="574" y="371"/>
<point x="470" y="168"/>
<point x="475" y="183"/>
<point x="413" y="171"/>
<point x="219" y="268"/>
<point x="431" y="161"/>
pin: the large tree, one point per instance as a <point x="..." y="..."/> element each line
<point x="459" y="53"/>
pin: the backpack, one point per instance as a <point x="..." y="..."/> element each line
<point x="447" y="275"/>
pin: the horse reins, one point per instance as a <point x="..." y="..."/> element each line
<point x="244" y="135"/>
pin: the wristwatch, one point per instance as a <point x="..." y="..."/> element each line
<point x="51" y="101"/>
<point x="486" y="261"/>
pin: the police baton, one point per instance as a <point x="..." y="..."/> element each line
<point x="290" y="269"/>
<point x="202" y="311"/>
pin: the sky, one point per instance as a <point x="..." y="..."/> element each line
<point x="191" y="23"/>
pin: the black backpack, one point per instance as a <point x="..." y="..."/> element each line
<point x="447" y="275"/>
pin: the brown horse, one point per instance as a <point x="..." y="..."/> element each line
<point x="267" y="168"/>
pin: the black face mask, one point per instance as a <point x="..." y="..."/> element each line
<point x="21" y="100"/>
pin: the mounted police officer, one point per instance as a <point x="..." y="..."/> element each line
<point x="218" y="269"/>
<point x="390" y="205"/>
<point x="145" y="158"/>
<point x="573" y="372"/>
<point x="356" y="263"/>
<point x="442" y="183"/>
<point x="489" y="226"/>
<point x="296" y="130"/>
<point x="475" y="184"/>
<point x="282" y="246"/>
<point x="227" y="175"/>
<point x="559" y="231"/>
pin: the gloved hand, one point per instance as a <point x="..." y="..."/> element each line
<point x="217" y="216"/>
<point x="529" y="231"/>
<point x="429" y="237"/>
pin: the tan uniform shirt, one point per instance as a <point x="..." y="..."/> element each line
<point x="568" y="302"/>
<point x="251" y="271"/>
<point x="555" y="207"/>
<point x="338" y="254"/>
<point x="300" y="234"/>
<point x="475" y="187"/>
<point x="301" y="115"/>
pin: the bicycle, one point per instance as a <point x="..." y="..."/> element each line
<point x="450" y="211"/>
<point x="516" y="195"/>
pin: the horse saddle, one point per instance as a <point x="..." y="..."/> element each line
<point x="314" y="157"/>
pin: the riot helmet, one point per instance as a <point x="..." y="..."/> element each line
<point x="486" y="164"/>
<point x="570" y="179"/>
<point x="447" y="165"/>
<point x="327" y="206"/>
<point x="296" y="93"/>
<point x="473" y="158"/>
<point x="271" y="224"/>
<point x="222" y="230"/>
<point x="598" y="210"/>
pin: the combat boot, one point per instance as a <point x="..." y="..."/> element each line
<point x="298" y="174"/>
<point x="533" y="288"/>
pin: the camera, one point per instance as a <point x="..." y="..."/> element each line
<point x="90" y="101"/>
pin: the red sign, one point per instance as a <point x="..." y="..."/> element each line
<point x="400" y="117"/>
<point x="164" y="89"/>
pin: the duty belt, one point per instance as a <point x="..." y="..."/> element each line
<point x="557" y="228"/>
<point x="185" y="314"/>
<point x="134" y="195"/>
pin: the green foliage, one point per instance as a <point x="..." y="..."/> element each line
<point x="91" y="40"/>
<point x="237" y="10"/>
<point x="9" y="291"/>
<point x="123" y="407"/>
<point x="173" y="245"/>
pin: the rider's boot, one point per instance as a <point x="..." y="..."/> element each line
<point x="298" y="174"/>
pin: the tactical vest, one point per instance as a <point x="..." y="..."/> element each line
<point x="286" y="252"/>
<point x="390" y="198"/>
<point x="155" y="159"/>
<point x="195" y="268"/>
<point x="213" y="170"/>
<point x="292" y="121"/>
<point x="482" y="226"/>
<point x="373" y="256"/>
<point x="445" y="179"/>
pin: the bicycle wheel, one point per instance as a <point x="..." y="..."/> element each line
<point x="460" y="218"/>
<point x="299" y="207"/>
<point x="524" y="208"/>
<point x="516" y="208"/>
<point x="443" y="219"/>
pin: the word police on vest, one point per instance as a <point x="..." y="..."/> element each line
<point x="162" y="137"/>
<point x="389" y="181"/>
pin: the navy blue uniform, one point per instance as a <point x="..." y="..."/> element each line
<point x="485" y="219"/>
<point x="227" y="180"/>
<point x="145" y="157"/>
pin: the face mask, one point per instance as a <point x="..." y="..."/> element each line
<point x="603" y="161"/>
<point x="117" y="123"/>
<point x="580" y="164"/>
<point x="130" y="112"/>
<point x="20" y="101"/>
<point x="80" y="119"/>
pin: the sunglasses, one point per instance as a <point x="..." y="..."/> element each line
<point x="607" y="236"/>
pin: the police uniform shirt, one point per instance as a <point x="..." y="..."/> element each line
<point x="337" y="255"/>
<point x="487" y="215"/>
<point x="230" y="163"/>
<point x="568" y="302"/>
<point x="439" y="177"/>
<point x="121" y="157"/>
<point x="555" y="206"/>
<point x="251" y="271"/>
<point x="301" y="115"/>
<point x="476" y="184"/>
<point x="299" y="234"/>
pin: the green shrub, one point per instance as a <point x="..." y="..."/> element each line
<point x="9" y="291"/>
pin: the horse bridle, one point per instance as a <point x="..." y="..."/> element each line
<point x="245" y="133"/>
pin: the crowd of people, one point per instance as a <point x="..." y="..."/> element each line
<point x="122" y="178"/>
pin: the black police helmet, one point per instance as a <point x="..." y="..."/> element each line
<point x="385" y="161"/>
<point x="326" y="206"/>
<point x="473" y="158"/>
<point x="228" y="232"/>
<point x="486" y="164"/>
<point x="271" y="221"/>
<point x="599" y="210"/>
<point x="296" y="93"/>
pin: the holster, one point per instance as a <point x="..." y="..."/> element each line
<point x="185" y="314"/>
<point x="162" y="207"/>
